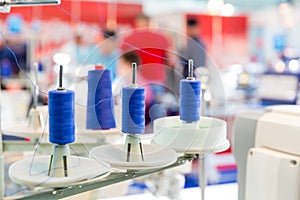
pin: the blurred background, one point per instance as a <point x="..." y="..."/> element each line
<point x="249" y="56"/>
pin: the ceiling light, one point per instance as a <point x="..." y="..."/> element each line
<point x="227" y="10"/>
<point x="215" y="6"/>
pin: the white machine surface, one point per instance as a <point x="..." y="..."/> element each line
<point x="272" y="175"/>
<point x="286" y="87"/>
<point x="208" y="136"/>
<point x="214" y="192"/>
<point x="271" y="146"/>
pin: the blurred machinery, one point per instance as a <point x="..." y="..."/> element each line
<point x="286" y="92"/>
<point x="267" y="153"/>
<point x="284" y="75"/>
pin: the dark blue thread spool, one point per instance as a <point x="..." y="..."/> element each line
<point x="100" y="104"/>
<point x="190" y="91"/>
<point x="133" y="110"/>
<point x="61" y="117"/>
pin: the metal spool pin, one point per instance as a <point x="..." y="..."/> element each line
<point x="202" y="180"/>
<point x="59" y="160"/>
<point x="5" y="5"/>
<point x="133" y="144"/>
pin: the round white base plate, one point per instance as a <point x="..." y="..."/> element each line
<point x="208" y="136"/>
<point x="215" y="149"/>
<point x="34" y="172"/>
<point x="155" y="156"/>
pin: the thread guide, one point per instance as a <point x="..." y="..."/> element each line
<point x="35" y="89"/>
<point x="36" y="118"/>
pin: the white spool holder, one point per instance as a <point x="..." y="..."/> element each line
<point x="155" y="156"/>
<point x="59" y="161"/>
<point x="133" y="148"/>
<point x="208" y="137"/>
<point x="34" y="171"/>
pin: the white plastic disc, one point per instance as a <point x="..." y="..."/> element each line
<point x="34" y="172"/>
<point x="155" y="156"/>
<point x="208" y="136"/>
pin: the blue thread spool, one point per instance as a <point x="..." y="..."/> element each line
<point x="100" y="104"/>
<point x="6" y="68"/>
<point x="133" y="110"/>
<point x="133" y="118"/>
<point x="61" y="116"/>
<point x="190" y="91"/>
<point x="190" y="100"/>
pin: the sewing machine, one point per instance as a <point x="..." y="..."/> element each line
<point x="267" y="151"/>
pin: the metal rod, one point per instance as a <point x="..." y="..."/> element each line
<point x="2" y="180"/>
<point x="203" y="103"/>
<point x="202" y="176"/>
<point x="134" y="70"/>
<point x="190" y="70"/>
<point x="2" y="183"/>
<point x="65" y="166"/>
<point x="128" y="152"/>
<point x="142" y="152"/>
<point x="60" y="80"/>
<point x="29" y="3"/>
<point x="35" y="89"/>
<point x="114" y="177"/>
<point x="50" y="165"/>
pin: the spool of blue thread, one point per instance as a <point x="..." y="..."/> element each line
<point x="190" y="91"/>
<point x="6" y="68"/>
<point x="100" y="104"/>
<point x="61" y="116"/>
<point x="133" y="110"/>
